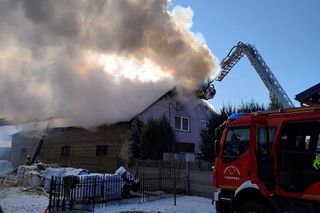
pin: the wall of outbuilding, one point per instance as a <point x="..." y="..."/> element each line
<point x="83" y="147"/>
<point x="21" y="146"/>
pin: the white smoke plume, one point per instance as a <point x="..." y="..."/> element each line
<point x="94" y="61"/>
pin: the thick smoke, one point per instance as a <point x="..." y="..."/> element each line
<point x="69" y="59"/>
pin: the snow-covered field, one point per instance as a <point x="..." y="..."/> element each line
<point x="13" y="200"/>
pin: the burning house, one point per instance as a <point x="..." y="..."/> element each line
<point x="100" y="149"/>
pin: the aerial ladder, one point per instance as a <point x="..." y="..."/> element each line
<point x="277" y="93"/>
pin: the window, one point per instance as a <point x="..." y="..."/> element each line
<point x="300" y="136"/>
<point x="236" y="143"/>
<point x="298" y="145"/>
<point x="65" y="151"/>
<point x="101" y="150"/>
<point x="262" y="139"/>
<point x="182" y="123"/>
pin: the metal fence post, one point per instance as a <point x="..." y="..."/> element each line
<point x="54" y="186"/>
<point x="143" y="187"/>
<point x="137" y="168"/>
<point x="174" y="184"/>
<point x="102" y="195"/>
<point x="59" y="192"/>
<point x="160" y="179"/>
<point x="50" y="194"/>
<point x="94" y="193"/>
<point x="187" y="177"/>
<point x="63" y="196"/>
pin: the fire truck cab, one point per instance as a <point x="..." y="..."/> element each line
<point x="266" y="162"/>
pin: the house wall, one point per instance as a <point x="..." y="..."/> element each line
<point x="21" y="147"/>
<point x="170" y="106"/>
<point x="83" y="147"/>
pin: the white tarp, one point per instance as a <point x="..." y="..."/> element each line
<point x="108" y="185"/>
<point x="60" y="172"/>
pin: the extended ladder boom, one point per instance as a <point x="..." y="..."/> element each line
<point x="275" y="89"/>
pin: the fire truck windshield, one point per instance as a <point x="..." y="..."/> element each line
<point x="236" y="143"/>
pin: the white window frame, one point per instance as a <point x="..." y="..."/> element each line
<point x="181" y="123"/>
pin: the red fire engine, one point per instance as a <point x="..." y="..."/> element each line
<point x="266" y="161"/>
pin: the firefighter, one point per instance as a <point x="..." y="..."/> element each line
<point x="316" y="162"/>
<point x="28" y="161"/>
<point x="235" y="146"/>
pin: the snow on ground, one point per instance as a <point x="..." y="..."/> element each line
<point x="12" y="200"/>
<point x="185" y="204"/>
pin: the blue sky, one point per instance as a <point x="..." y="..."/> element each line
<point x="286" y="33"/>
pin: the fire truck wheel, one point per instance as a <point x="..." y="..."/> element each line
<point x="253" y="207"/>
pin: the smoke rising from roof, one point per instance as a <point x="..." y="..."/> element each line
<point x="95" y="61"/>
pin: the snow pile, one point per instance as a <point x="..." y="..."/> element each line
<point x="5" y="168"/>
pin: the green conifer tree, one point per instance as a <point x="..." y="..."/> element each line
<point x="135" y="139"/>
